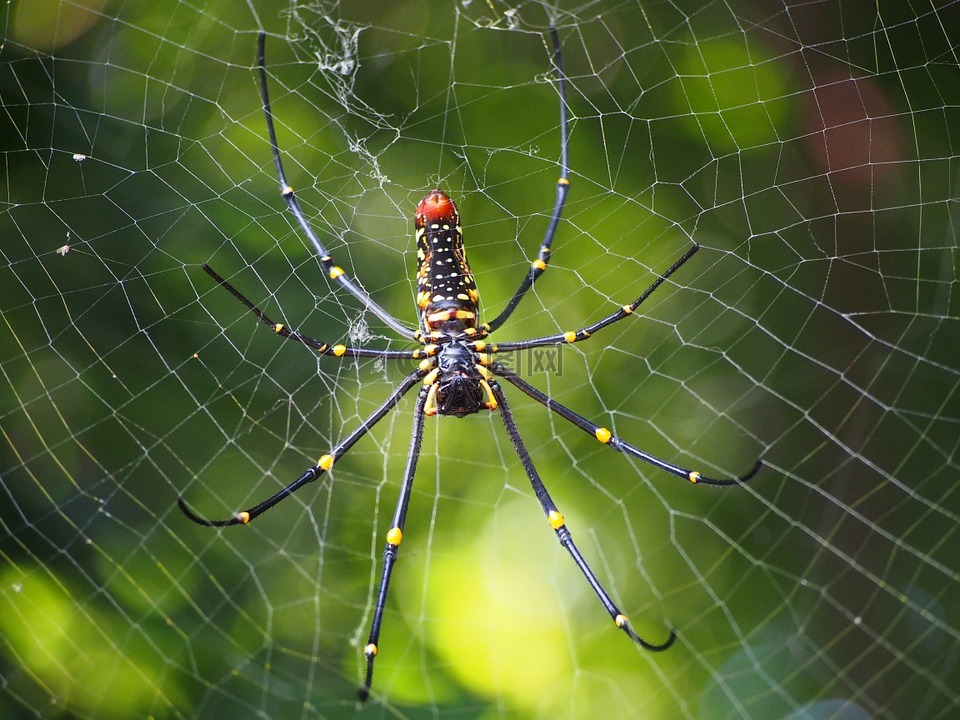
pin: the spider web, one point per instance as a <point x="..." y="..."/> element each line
<point x="811" y="150"/>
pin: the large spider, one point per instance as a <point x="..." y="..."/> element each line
<point x="457" y="370"/>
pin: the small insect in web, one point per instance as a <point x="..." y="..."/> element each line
<point x="457" y="367"/>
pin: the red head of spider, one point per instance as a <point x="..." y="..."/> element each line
<point x="436" y="208"/>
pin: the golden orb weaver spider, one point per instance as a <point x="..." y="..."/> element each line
<point x="457" y="368"/>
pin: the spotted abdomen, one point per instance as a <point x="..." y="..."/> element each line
<point x="447" y="295"/>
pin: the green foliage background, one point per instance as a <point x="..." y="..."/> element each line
<point x="810" y="149"/>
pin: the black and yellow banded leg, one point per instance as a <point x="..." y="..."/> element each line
<point x="323" y="465"/>
<point x="606" y="437"/>
<point x="539" y="266"/>
<point x="289" y="333"/>
<point x="559" y="525"/>
<point x="575" y="336"/>
<point x="333" y="271"/>
<point x="394" y="537"/>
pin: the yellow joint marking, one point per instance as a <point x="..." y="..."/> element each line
<point x="394" y="536"/>
<point x="471" y="331"/>
<point x="431" y="377"/>
<point x="603" y="435"/>
<point x="286" y="190"/>
<point x="322" y="348"/>
<point x="426" y="364"/>
<point x="335" y="272"/>
<point x="539" y="264"/>
<point x="620" y="620"/>
<point x="278" y="328"/>
<point x="483" y="371"/>
<point x="627" y="309"/>
<point x="694" y="476"/>
<point x="339" y="350"/>
<point x="430" y="350"/>
<point x="563" y="181"/>
<point x="479" y="346"/>
<point x="430" y="406"/>
<point x="491" y="402"/>
<point x="485" y="358"/>
<point x="370" y="650"/>
<point x="325" y="463"/>
<point x="243" y="517"/>
<point x="570" y="336"/>
<point x="555" y="519"/>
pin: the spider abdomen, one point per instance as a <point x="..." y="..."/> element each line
<point x="447" y="294"/>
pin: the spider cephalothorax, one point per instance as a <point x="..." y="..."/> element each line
<point x="457" y="371"/>
<point x="458" y="384"/>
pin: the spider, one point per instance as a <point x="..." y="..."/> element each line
<point x="457" y="371"/>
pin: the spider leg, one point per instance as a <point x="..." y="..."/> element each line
<point x="560" y="527"/>
<point x="334" y="272"/>
<point x="394" y="537"/>
<point x="323" y="464"/>
<point x="608" y="438"/>
<point x="571" y="337"/>
<point x="539" y="266"/>
<point x="321" y="347"/>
